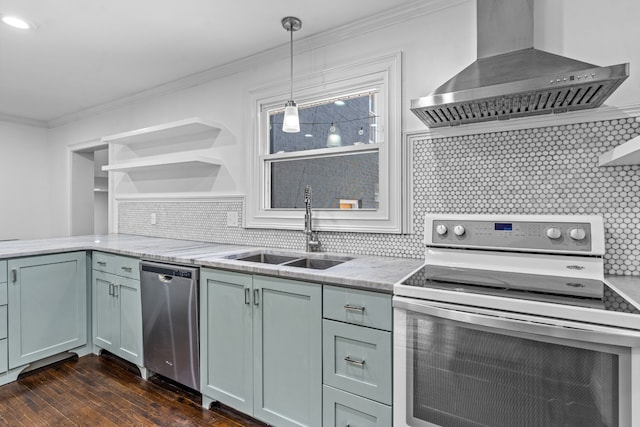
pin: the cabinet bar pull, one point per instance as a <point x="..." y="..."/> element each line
<point x="14" y="275"/>
<point x="256" y="297"/>
<point x="102" y="263"/>
<point x="357" y="308"/>
<point x="127" y="269"/>
<point x="247" y="296"/>
<point x="115" y="291"/>
<point x="111" y="289"/>
<point x="348" y="359"/>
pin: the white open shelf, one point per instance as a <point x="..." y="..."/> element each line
<point x="185" y="160"/>
<point x="183" y="128"/>
<point x="625" y="154"/>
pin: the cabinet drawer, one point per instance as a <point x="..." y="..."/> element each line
<point x="3" y="271"/>
<point x="358" y="307"/>
<point x="340" y="408"/>
<point x="102" y="262"/>
<point x="117" y="264"/>
<point x="357" y="360"/>
<point x="3" y="293"/>
<point x="127" y="267"/>
<point x="4" y="363"/>
<point x="3" y="321"/>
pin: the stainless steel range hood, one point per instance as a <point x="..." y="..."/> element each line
<point x="512" y="79"/>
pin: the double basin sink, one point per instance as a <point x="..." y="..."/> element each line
<point x="290" y="260"/>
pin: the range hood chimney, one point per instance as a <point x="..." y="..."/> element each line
<point x="512" y="79"/>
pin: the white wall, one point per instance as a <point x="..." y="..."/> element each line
<point x="24" y="185"/>
<point x="100" y="212"/>
<point x="434" y="47"/>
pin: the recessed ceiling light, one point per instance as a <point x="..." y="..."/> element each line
<point x="19" y="23"/>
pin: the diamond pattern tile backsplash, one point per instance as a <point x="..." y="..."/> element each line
<point x="548" y="170"/>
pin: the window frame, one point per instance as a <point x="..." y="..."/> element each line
<point x="381" y="74"/>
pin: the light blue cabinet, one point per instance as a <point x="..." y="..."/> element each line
<point x="226" y="346"/>
<point x="117" y="310"/>
<point x="105" y="310"/>
<point x="346" y="409"/>
<point x="261" y="346"/>
<point x="357" y="359"/>
<point x="47" y="306"/>
<point x="3" y="317"/>
<point x="287" y="352"/>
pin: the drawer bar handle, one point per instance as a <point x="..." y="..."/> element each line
<point x="357" y="308"/>
<point x="102" y="263"/>
<point x="127" y="269"/>
<point x="348" y="359"/>
<point x="247" y="296"/>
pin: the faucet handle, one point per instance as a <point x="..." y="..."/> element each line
<point x="314" y="242"/>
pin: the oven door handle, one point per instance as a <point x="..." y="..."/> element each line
<point x="522" y="323"/>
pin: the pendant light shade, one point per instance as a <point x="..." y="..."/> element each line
<point x="334" y="139"/>
<point x="291" y="122"/>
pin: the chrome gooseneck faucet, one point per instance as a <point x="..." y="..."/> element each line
<point x="313" y="244"/>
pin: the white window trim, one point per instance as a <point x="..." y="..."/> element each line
<point x="383" y="72"/>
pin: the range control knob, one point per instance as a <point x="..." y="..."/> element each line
<point x="441" y="229"/>
<point x="458" y="230"/>
<point x="577" y="233"/>
<point x="554" y="233"/>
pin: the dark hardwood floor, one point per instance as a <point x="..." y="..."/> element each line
<point x="105" y="391"/>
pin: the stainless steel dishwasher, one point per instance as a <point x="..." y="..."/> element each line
<point x="170" y="331"/>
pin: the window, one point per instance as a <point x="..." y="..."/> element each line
<point x="347" y="150"/>
<point x="341" y="140"/>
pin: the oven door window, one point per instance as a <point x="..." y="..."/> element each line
<point x="463" y="375"/>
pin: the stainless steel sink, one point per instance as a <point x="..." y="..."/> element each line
<point x="314" y="263"/>
<point x="267" y="258"/>
<point x="289" y="260"/>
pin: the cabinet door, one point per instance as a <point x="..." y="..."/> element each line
<point x="105" y="312"/>
<point x="129" y="306"/>
<point x="287" y="352"/>
<point x="226" y="351"/>
<point x="47" y="306"/>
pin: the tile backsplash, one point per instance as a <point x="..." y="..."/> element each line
<point x="547" y="170"/>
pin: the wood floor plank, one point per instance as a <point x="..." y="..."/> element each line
<point x="106" y="391"/>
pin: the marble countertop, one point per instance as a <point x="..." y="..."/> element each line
<point x="627" y="287"/>
<point x="360" y="271"/>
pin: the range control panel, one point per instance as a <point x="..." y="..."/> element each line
<point x="525" y="233"/>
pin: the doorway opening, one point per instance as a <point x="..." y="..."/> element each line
<point x="89" y="190"/>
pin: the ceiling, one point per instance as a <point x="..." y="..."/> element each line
<point x="85" y="53"/>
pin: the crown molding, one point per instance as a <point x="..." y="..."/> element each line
<point x="362" y="26"/>
<point x="22" y="120"/>
<point x="546" y="120"/>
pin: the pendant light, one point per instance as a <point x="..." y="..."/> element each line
<point x="291" y="122"/>
<point x="334" y="139"/>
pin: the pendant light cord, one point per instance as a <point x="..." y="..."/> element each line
<point x="291" y="81"/>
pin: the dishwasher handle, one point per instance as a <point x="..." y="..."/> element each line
<point x="165" y="278"/>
